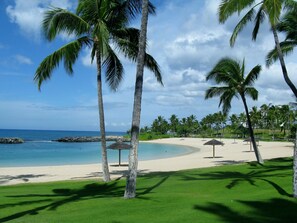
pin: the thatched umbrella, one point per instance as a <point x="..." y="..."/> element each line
<point x="214" y="143"/>
<point x="119" y="146"/>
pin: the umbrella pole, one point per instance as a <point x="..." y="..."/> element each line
<point x="213" y="151"/>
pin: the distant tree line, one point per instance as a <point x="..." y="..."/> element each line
<point x="270" y="121"/>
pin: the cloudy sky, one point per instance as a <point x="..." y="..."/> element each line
<point x="186" y="40"/>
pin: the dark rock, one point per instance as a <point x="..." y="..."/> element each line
<point x="11" y="141"/>
<point x="90" y="139"/>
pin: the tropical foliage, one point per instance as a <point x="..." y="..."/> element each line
<point x="271" y="9"/>
<point x="270" y="122"/>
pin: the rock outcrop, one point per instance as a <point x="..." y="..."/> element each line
<point x="11" y="140"/>
<point x="90" y="139"/>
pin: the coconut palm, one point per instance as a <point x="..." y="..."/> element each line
<point x="230" y="74"/>
<point x="174" y="122"/>
<point x="101" y="25"/>
<point x="269" y="8"/>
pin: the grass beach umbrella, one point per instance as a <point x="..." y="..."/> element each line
<point x="214" y="143"/>
<point x="119" y="146"/>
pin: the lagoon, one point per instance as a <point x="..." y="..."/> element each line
<point x="39" y="150"/>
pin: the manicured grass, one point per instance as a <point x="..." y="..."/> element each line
<point x="231" y="193"/>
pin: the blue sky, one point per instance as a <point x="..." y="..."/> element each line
<point x="186" y="39"/>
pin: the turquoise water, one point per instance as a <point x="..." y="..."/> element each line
<point x="39" y="150"/>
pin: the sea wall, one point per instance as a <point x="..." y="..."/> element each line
<point x="11" y="140"/>
<point x="91" y="139"/>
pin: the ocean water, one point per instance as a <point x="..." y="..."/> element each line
<point x="39" y="150"/>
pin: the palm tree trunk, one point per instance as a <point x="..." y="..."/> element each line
<point x="130" y="191"/>
<point x="256" y="150"/>
<point x="295" y="169"/>
<point x="105" y="170"/>
<point x="282" y="62"/>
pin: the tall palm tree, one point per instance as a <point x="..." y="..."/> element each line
<point x="130" y="191"/>
<point x="270" y="8"/>
<point x="230" y="74"/>
<point x="99" y="25"/>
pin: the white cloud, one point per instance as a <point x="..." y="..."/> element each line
<point x="28" y="14"/>
<point x="23" y="59"/>
<point x="174" y="100"/>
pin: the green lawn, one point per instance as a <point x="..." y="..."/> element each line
<point x="231" y="193"/>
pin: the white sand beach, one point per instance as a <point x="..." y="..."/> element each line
<point x="231" y="153"/>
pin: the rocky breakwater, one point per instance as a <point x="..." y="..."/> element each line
<point x="11" y="140"/>
<point x="91" y="139"/>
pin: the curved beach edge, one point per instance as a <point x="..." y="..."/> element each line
<point x="232" y="152"/>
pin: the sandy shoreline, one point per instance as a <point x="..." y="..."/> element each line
<point x="232" y="152"/>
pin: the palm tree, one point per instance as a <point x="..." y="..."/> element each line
<point x="173" y="123"/>
<point x="160" y="125"/>
<point x="99" y="25"/>
<point x="130" y="191"/>
<point x="270" y="8"/>
<point x="230" y="73"/>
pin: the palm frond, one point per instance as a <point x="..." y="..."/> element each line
<point x="57" y="20"/>
<point x="93" y="51"/>
<point x="252" y="92"/>
<point x="258" y="21"/>
<point x="288" y="25"/>
<point x="225" y="71"/>
<point x="215" y="91"/>
<point x="151" y="64"/>
<point x="114" y="69"/>
<point x="273" y="8"/>
<point x="229" y="7"/>
<point x="89" y="10"/>
<point x="127" y="42"/>
<point x="226" y="99"/>
<point x="252" y="76"/>
<point x="287" y="47"/>
<point x="69" y="53"/>
<point x="134" y="7"/>
<point x="241" y="24"/>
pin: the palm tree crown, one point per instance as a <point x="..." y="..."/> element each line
<point x="266" y="8"/>
<point x="230" y="73"/>
<point x="100" y="25"/>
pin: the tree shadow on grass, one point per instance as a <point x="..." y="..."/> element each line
<point x="24" y="177"/>
<point x="279" y="168"/>
<point x="63" y="196"/>
<point x="275" y="210"/>
<point x="163" y="178"/>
